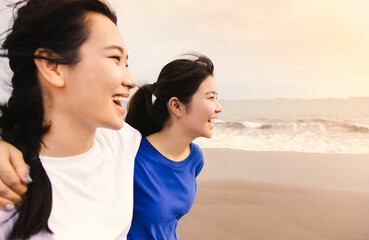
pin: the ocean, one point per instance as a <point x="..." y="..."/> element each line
<point x="298" y="125"/>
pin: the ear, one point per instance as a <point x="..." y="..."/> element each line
<point x="176" y="107"/>
<point x="49" y="71"/>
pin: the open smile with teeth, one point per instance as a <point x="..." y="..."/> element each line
<point x="118" y="102"/>
<point x="212" y="119"/>
<point x="211" y="122"/>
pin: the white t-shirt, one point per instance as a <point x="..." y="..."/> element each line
<point x="92" y="192"/>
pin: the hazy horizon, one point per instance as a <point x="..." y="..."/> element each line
<point x="261" y="50"/>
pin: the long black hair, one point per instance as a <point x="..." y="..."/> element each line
<point x="61" y="27"/>
<point x="180" y="78"/>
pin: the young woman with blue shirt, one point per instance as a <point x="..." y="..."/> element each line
<point x="170" y="114"/>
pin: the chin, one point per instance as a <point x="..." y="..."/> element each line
<point x="114" y="126"/>
<point x="120" y="125"/>
<point x="208" y="135"/>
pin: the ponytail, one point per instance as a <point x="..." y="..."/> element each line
<point x="181" y="78"/>
<point x="145" y="110"/>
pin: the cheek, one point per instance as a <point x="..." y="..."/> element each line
<point x="204" y="113"/>
<point x="208" y="109"/>
<point x="101" y="80"/>
<point x="200" y="110"/>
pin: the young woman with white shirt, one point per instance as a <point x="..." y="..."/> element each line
<point x="70" y="71"/>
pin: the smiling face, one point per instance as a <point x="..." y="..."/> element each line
<point x="95" y="85"/>
<point x="203" y="108"/>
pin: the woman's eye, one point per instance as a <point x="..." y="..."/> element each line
<point x="116" y="58"/>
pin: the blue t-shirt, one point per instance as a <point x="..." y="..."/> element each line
<point x="164" y="191"/>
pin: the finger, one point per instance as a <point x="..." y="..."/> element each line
<point x="12" y="182"/>
<point x="8" y="196"/>
<point x="6" y="205"/>
<point x="19" y="165"/>
<point x="8" y="176"/>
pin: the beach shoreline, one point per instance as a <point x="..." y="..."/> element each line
<point x="279" y="195"/>
<point x="320" y="170"/>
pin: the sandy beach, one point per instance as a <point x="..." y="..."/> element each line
<point x="281" y="196"/>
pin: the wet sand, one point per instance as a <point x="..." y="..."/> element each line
<point x="281" y="196"/>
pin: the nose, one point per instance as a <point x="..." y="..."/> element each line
<point x="128" y="80"/>
<point x="218" y="107"/>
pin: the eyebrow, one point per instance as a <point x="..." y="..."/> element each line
<point x="119" y="48"/>
<point x="210" y="92"/>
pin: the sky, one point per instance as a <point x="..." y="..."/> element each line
<point x="262" y="49"/>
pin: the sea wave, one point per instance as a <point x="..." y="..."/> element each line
<point x="357" y="127"/>
<point x="301" y="124"/>
<point x="320" y="126"/>
<point x="243" y="124"/>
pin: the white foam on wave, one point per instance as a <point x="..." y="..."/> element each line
<point x="249" y="124"/>
<point x="310" y="137"/>
<point x="243" y="124"/>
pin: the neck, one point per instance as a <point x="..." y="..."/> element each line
<point x="171" y="143"/>
<point x="67" y="138"/>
